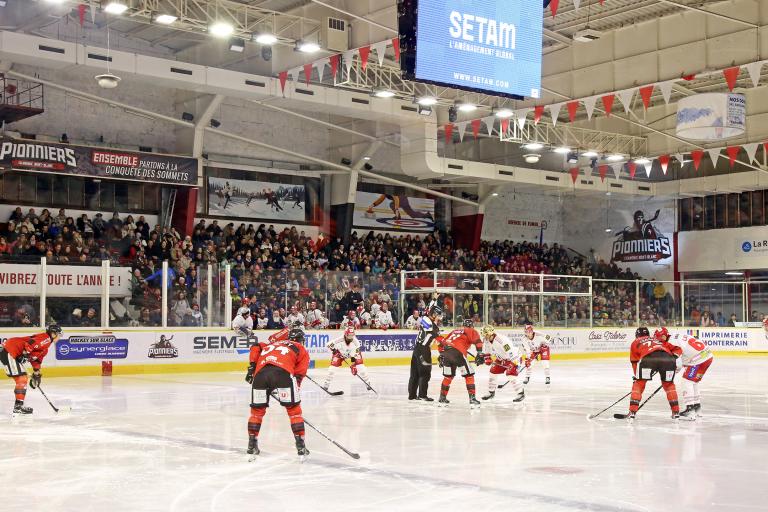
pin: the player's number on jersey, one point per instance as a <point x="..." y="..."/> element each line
<point x="696" y="344"/>
<point x="281" y="349"/>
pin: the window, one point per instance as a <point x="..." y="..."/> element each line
<point x="721" y="215"/>
<point x="11" y="186"/>
<point x="709" y="212"/>
<point x="698" y="213"/>
<point x="745" y="210"/>
<point x="59" y="190"/>
<point x="44" y="189"/>
<point x="757" y="208"/>
<point x="685" y="215"/>
<point x="75" y="188"/>
<point x="91" y="194"/>
<point x="152" y="197"/>
<point x="107" y="195"/>
<point x="733" y="210"/>
<point x="27" y="187"/>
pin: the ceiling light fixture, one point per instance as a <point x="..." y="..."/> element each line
<point x="590" y="154"/>
<point x="504" y="113"/>
<point x="165" y="19"/>
<point x="307" y="46"/>
<point x="734" y="273"/>
<point x="615" y="157"/>
<point x="563" y="150"/>
<point x="532" y="158"/>
<point x="533" y="146"/>
<point x="221" y="29"/>
<point x="265" y="38"/>
<point x="115" y="8"/>
<point x="383" y="93"/>
<point x="237" y="45"/>
<point x="427" y="101"/>
<point x="467" y="107"/>
<point x="642" y="161"/>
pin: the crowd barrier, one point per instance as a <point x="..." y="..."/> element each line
<point x="82" y="352"/>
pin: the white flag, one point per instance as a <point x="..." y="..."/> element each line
<point x="626" y="97"/>
<point x="647" y="168"/>
<point x="751" y="150"/>
<point x="489" y="124"/>
<point x="666" y="90"/>
<point x="520" y="115"/>
<point x="679" y="158"/>
<point x="320" y="65"/>
<point x="589" y="104"/>
<point x="576" y="4"/>
<point x="754" y="69"/>
<point x="714" y="154"/>
<point x="295" y="73"/>
<point x="381" y="50"/>
<point x="617" y="170"/>
<point x="588" y="171"/>
<point x="349" y="59"/>
<point x="555" y="111"/>
<point x="462" y="128"/>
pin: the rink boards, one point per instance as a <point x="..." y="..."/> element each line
<point x="81" y="352"/>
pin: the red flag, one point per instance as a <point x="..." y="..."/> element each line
<point x="664" y="161"/>
<point x="733" y="152"/>
<point x="731" y="74"/>
<point x="365" y="51"/>
<point x="538" y="110"/>
<point x="504" y="125"/>
<point x="696" y="157"/>
<point x="602" y="170"/>
<point x="601" y="2"/>
<point x="448" y="133"/>
<point x="689" y="78"/>
<point x="307" y="72"/>
<point x="396" y="46"/>
<point x="608" y="103"/>
<point x="553" y="5"/>
<point x="573" y="106"/>
<point x="632" y="168"/>
<point x="574" y="174"/>
<point x="475" y="127"/>
<point x="283" y="78"/>
<point x="645" y="93"/>
<point x="81" y="13"/>
<point x="335" y="64"/>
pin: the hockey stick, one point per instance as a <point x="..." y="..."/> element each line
<point x="332" y="393"/>
<point x="359" y="377"/>
<point x="624" y="416"/>
<point x="590" y="416"/>
<point x="56" y="409"/>
<point x="351" y="454"/>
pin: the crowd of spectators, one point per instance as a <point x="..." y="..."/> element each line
<point x="278" y="274"/>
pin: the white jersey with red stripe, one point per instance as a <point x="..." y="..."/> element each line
<point x="694" y="351"/>
<point x="347" y="350"/>
<point x="315" y="319"/>
<point x="504" y="349"/>
<point x="536" y="344"/>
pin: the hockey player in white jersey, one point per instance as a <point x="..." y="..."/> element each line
<point x="243" y="322"/>
<point x="295" y="317"/>
<point x="350" y="320"/>
<point x="315" y="318"/>
<point x="508" y="361"/>
<point x="365" y="318"/>
<point x="696" y="359"/>
<point x="346" y="347"/>
<point x="537" y="348"/>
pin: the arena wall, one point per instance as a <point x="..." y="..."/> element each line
<point x="82" y="352"/>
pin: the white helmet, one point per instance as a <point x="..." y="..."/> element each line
<point x="487" y="331"/>
<point x="243" y="311"/>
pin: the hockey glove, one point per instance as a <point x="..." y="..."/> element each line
<point x="488" y="360"/>
<point x="354" y="369"/>
<point x="249" y="375"/>
<point x="480" y="359"/>
<point x="37" y="377"/>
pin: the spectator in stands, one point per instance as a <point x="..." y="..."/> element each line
<point x="412" y="322"/>
<point x="90" y="319"/>
<point x="384" y="317"/>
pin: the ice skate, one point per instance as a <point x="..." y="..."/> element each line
<point x="546" y="381"/>
<point x="689" y="414"/>
<point x="426" y="399"/>
<point x="21" y="409"/>
<point x="490" y="395"/>
<point x="527" y="379"/>
<point x="630" y="418"/>
<point x="473" y="403"/>
<point x="675" y="416"/>
<point x="443" y="402"/>
<point x="301" y="449"/>
<point x="520" y="397"/>
<point x="697" y="408"/>
<point x="253" y="448"/>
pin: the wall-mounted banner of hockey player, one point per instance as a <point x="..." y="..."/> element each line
<point x="390" y="211"/>
<point x="536" y="346"/>
<point x="508" y="361"/>
<point x="256" y="199"/>
<point x="347" y="346"/>
<point x="641" y="242"/>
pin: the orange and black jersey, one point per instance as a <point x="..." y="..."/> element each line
<point x="34" y="348"/>
<point x="645" y="345"/>
<point x="462" y="339"/>
<point x="288" y="355"/>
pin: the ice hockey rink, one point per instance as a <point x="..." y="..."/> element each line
<point x="176" y="442"/>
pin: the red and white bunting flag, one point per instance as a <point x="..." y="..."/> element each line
<point x="646" y="93"/>
<point x="396" y="46"/>
<point x="476" y="127"/>
<point x="733" y="152"/>
<point x="308" y="72"/>
<point x="617" y="170"/>
<point x="489" y="122"/>
<point x="731" y="75"/>
<point x="295" y="72"/>
<point x="751" y="150"/>
<point x="521" y="115"/>
<point x="538" y="110"/>
<point x="92" y="8"/>
<point x="381" y="51"/>
<point x="448" y="133"/>
<point x="696" y="157"/>
<point x="283" y="76"/>
<point x="462" y="128"/>
<point x="588" y="171"/>
<point x="714" y="154"/>
<point x="349" y="60"/>
<point x="576" y="4"/>
<point x="602" y="171"/>
<point x="81" y="13"/>
<point x="334" y="60"/>
<point x="664" y="162"/>
<point x="754" y="69"/>
<point x="573" y="106"/>
<point x="608" y="103"/>
<point x="365" y="51"/>
<point x="589" y="105"/>
<point x="320" y="66"/>
<point x="689" y="78"/>
<point x="666" y="90"/>
<point x="625" y="97"/>
<point x="679" y="158"/>
<point x="554" y="110"/>
<point x="574" y="174"/>
<point x="632" y="166"/>
<point x="648" y="167"/>
<point x="553" y="5"/>
<point x="504" y="126"/>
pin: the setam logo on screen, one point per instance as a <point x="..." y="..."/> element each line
<point x="481" y="44"/>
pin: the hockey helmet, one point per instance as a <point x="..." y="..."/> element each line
<point x="436" y="311"/>
<point x="642" y="331"/>
<point x="529" y="329"/>
<point x="349" y="333"/>
<point x="661" y="334"/>
<point x="243" y="311"/>
<point x="468" y="322"/>
<point x="296" y="334"/>
<point x="296" y="324"/>
<point x="487" y="331"/>
<point x="53" y="329"/>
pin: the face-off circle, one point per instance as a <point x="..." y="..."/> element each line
<point x="406" y="223"/>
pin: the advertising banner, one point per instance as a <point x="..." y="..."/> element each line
<point x="256" y="199"/>
<point x="489" y="45"/>
<point x="642" y="241"/>
<point x="394" y="212"/>
<point x="91" y="347"/>
<point x="63" y="280"/>
<point x="28" y="155"/>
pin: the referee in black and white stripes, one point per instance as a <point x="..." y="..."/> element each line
<point x="421" y="360"/>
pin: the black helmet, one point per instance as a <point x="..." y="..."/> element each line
<point x="468" y="322"/>
<point x="436" y="310"/>
<point x="296" y="325"/>
<point x="642" y="331"/>
<point x="53" y="329"/>
<point x="639" y="214"/>
<point x="296" y="334"/>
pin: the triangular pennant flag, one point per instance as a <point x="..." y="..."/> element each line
<point x="92" y="6"/>
<point x="320" y="65"/>
<point x="554" y="110"/>
<point x="521" y="116"/>
<point x="731" y="74"/>
<point x="553" y="6"/>
<point x="632" y="166"/>
<point x="283" y="76"/>
<point x="625" y="97"/>
<point x="689" y="78"/>
<point x="576" y="4"/>
<point x="754" y="69"/>
<point x="588" y="171"/>
<point x="349" y="59"/>
<point x="381" y="51"/>
<point x="476" y="127"/>
<point x="462" y="128"/>
<point x="574" y="174"/>
<point x="589" y="104"/>
<point x="334" y="60"/>
<point x="396" y="46"/>
<point x="751" y="150"/>
<point x="733" y="152"/>
<point x="573" y="106"/>
<point x="646" y="93"/>
<point x="602" y="171"/>
<point x="666" y="90"/>
<point x="608" y="103"/>
<point x="365" y="51"/>
<point x="696" y="155"/>
<point x="538" y="110"/>
<point x="679" y="158"/>
<point x="448" y="133"/>
<point x="664" y="162"/>
<point x="81" y="13"/>
<point x="617" y="170"/>
<point x="714" y="154"/>
<point x="648" y="167"/>
<point x="489" y="122"/>
<point x="504" y="126"/>
<point x="307" y="72"/>
<point x="294" y="74"/>
<point x="601" y="2"/>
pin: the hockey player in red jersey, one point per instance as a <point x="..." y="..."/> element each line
<point x="15" y="352"/>
<point x="453" y="354"/>
<point x="649" y="356"/>
<point x="276" y="371"/>
<point x="696" y="358"/>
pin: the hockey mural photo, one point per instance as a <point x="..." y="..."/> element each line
<point x="247" y="199"/>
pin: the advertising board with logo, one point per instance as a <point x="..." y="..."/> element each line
<point x="163" y="349"/>
<point x="642" y="241"/>
<point x="63" y="280"/>
<point x="91" y="347"/>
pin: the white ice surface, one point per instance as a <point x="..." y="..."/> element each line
<point x="176" y="443"/>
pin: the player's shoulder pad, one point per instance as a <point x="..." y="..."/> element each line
<point x="425" y="322"/>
